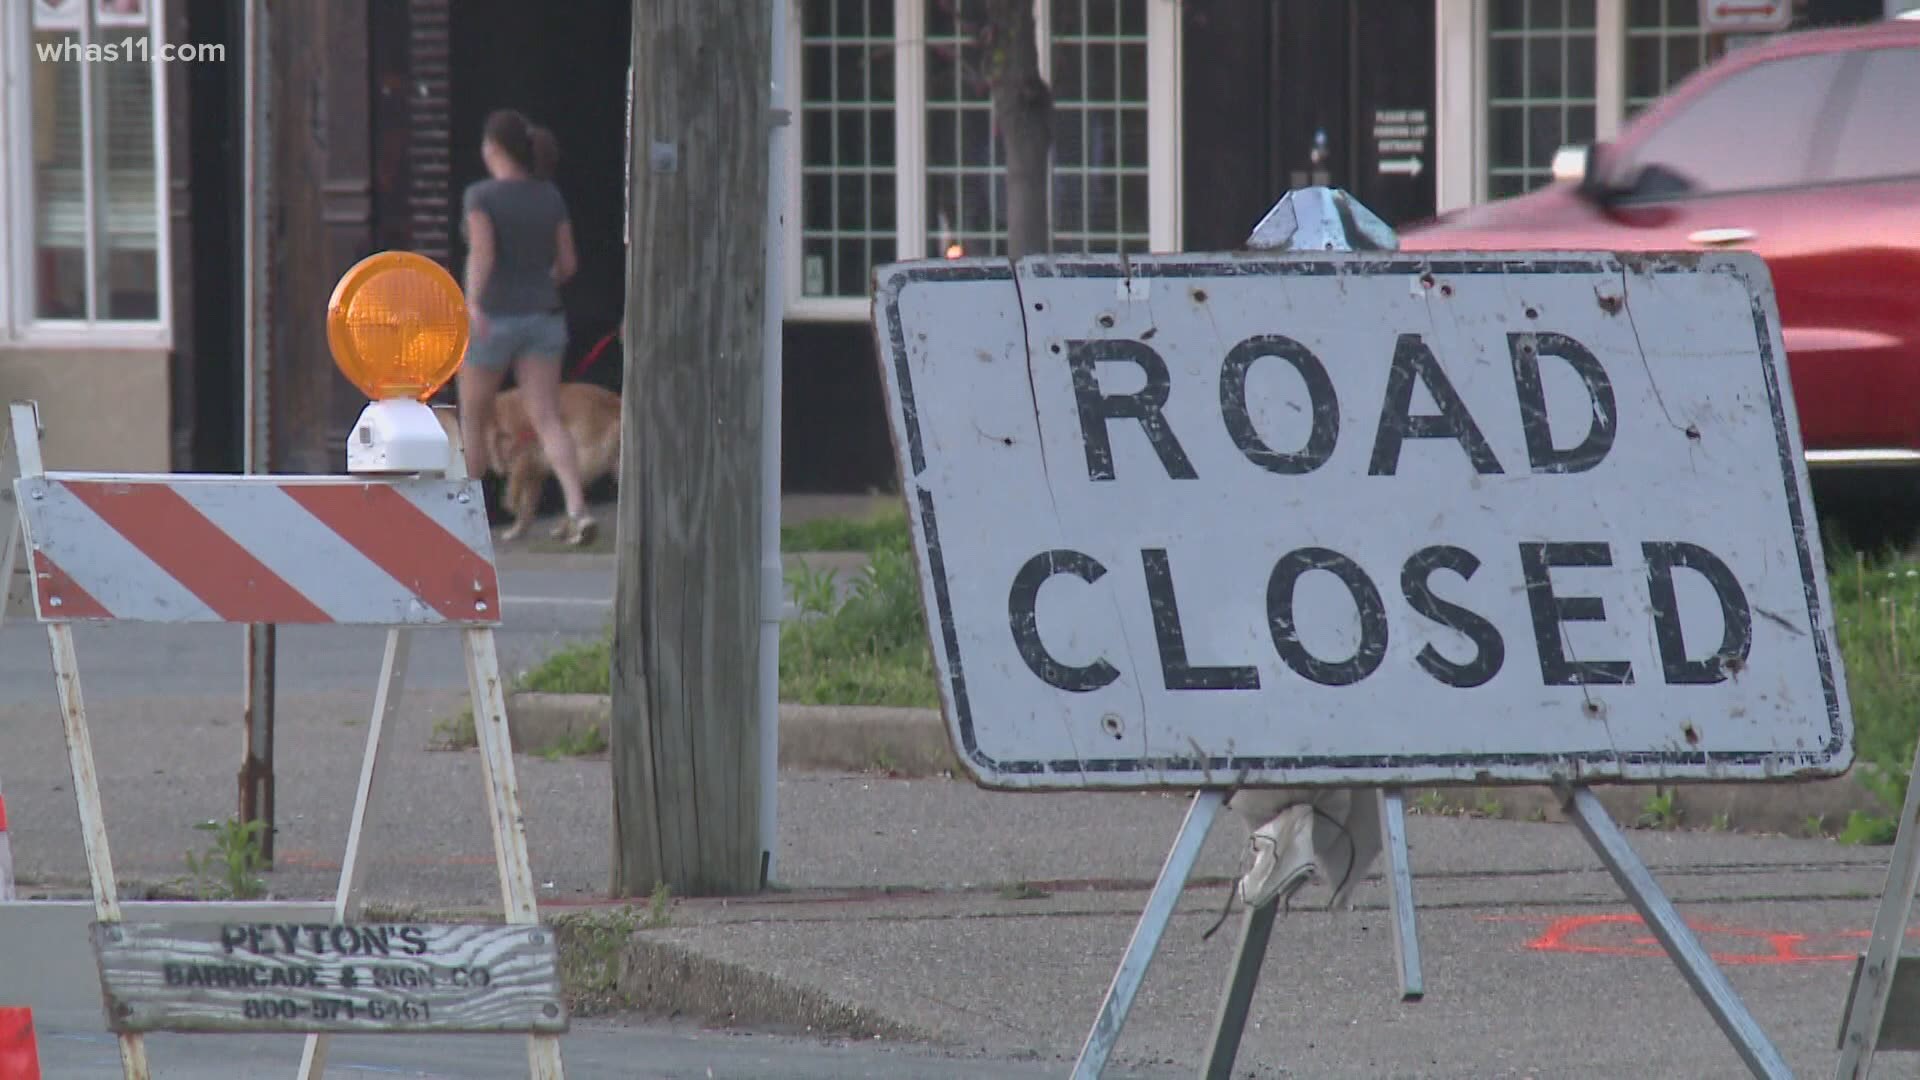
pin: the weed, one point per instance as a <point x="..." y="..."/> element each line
<point x="591" y="945"/>
<point x="1870" y="829"/>
<point x="1721" y="822"/>
<point x="583" y="668"/>
<point x="584" y="743"/>
<point x="868" y="649"/>
<point x="1430" y="802"/>
<point x="1022" y="890"/>
<point x="1659" y="812"/>
<point x="456" y="732"/>
<point x="1815" y="825"/>
<point x="1490" y="805"/>
<point x="1537" y="815"/>
<point x="226" y="871"/>
<point x="659" y="908"/>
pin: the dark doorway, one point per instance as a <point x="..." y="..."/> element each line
<point x="564" y="66"/>
<point x="1334" y="93"/>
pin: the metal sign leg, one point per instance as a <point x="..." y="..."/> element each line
<point x="353" y="869"/>
<point x="1230" y="1023"/>
<point x="1406" y="931"/>
<point x="1709" y="984"/>
<point x="1868" y="1009"/>
<point x="1146" y="934"/>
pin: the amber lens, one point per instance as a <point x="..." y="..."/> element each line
<point x="397" y="326"/>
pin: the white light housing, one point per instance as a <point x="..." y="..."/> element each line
<point x="398" y="435"/>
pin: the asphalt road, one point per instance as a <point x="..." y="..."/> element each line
<point x="593" y="1049"/>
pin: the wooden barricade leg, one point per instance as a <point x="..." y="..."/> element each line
<point x="93" y="821"/>
<point x="353" y="872"/>
<point x="503" y="806"/>
<point x="73" y="716"/>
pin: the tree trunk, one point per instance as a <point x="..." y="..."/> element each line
<point x="685" y="751"/>
<point x="1023" y="108"/>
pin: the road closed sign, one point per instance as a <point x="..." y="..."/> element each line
<point x="1314" y="519"/>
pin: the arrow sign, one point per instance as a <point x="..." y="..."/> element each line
<point x="1722" y="16"/>
<point x="1406" y="166"/>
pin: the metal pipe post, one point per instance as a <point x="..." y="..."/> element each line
<point x="1146" y="934"/>
<point x="1709" y="984"/>
<point x="257" y="650"/>
<point x="772" y="570"/>
<point x="1406" y="937"/>
<point x="1230" y="1023"/>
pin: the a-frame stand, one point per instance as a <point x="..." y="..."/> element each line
<point x="1706" y="979"/>
<point x="496" y="761"/>
<point x="1867" y="1024"/>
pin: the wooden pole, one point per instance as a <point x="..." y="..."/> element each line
<point x="685" y="744"/>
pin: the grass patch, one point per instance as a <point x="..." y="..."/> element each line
<point x="1876" y="604"/>
<point x="885" y="529"/>
<point x="869" y="648"/>
<point x="584" y="668"/>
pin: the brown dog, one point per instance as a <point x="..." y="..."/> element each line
<point x="592" y="416"/>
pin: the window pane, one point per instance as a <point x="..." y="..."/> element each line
<point x="1100" y="161"/>
<point x="126" y="199"/>
<point x="847" y="144"/>
<point x="1753" y="130"/>
<point x="59" y="182"/>
<point x="1879" y="137"/>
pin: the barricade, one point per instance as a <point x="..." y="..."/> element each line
<point x="402" y="543"/>
<point x="1304" y="526"/>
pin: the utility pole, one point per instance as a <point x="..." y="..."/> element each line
<point x="685" y="744"/>
<point x="257" y="650"/>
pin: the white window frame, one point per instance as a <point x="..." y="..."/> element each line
<point x="1460" y="88"/>
<point x="19" y="325"/>
<point x="1164" y="157"/>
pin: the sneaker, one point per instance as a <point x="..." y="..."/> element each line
<point x="1282" y="857"/>
<point x="580" y="530"/>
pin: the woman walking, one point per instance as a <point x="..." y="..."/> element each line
<point x="519" y="252"/>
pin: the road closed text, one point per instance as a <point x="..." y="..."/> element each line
<point x="1419" y="581"/>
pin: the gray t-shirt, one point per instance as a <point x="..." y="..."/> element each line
<point x="526" y="217"/>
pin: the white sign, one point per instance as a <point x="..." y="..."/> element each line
<point x="1314" y="519"/>
<point x="1745" y="16"/>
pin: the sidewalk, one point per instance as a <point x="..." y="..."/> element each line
<point x="929" y="909"/>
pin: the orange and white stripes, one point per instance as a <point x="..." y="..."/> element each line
<point x="178" y="549"/>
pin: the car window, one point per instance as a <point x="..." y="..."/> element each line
<point x="1880" y="134"/>
<point x="1752" y="129"/>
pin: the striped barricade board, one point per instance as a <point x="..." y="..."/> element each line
<point x="403" y="552"/>
<point x="259" y="549"/>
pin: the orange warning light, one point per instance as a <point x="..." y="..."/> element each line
<point x="397" y="326"/>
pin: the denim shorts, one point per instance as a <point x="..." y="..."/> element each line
<point x="509" y="337"/>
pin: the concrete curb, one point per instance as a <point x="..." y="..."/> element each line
<point x="914" y="743"/>
<point x="839" y="738"/>
<point x="664" y="978"/>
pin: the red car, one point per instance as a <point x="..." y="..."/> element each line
<point x="1805" y="150"/>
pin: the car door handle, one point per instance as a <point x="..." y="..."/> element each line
<point x="1721" y="236"/>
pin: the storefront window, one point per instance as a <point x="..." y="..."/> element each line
<point x="1099" y="56"/>
<point x="847" y="167"/>
<point x="1541" y="88"/>
<point x="92" y="172"/>
<point x="1664" y="45"/>
<point x="966" y="162"/>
